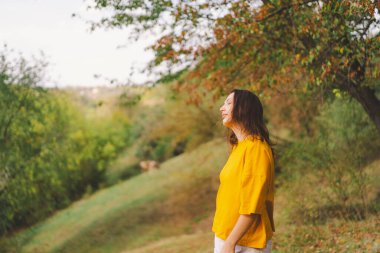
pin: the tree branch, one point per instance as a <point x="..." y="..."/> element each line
<point x="285" y="8"/>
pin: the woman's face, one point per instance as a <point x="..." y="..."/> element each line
<point x="226" y="110"/>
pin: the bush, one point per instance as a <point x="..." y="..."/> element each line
<point x="160" y="149"/>
<point x="346" y="143"/>
<point x="345" y="140"/>
<point x="130" y="171"/>
<point x="168" y="125"/>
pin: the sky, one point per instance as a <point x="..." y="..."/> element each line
<point x="75" y="55"/>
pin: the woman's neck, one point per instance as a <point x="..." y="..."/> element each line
<point x="240" y="133"/>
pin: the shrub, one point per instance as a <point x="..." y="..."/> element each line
<point x="345" y="140"/>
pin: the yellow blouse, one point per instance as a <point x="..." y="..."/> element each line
<point x="246" y="186"/>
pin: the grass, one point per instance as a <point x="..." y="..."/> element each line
<point x="194" y="243"/>
<point x="144" y="209"/>
<point x="171" y="210"/>
<point x="337" y="235"/>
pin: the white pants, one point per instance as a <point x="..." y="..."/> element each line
<point x="242" y="249"/>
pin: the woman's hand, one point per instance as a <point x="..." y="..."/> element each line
<point x="228" y="248"/>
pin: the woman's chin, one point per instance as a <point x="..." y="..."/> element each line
<point x="226" y="123"/>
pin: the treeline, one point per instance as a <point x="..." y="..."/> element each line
<point x="50" y="152"/>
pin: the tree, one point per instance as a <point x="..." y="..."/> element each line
<point x="50" y="154"/>
<point x="327" y="45"/>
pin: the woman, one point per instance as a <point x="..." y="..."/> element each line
<point x="243" y="219"/>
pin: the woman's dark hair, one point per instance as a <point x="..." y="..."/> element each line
<point x="248" y="111"/>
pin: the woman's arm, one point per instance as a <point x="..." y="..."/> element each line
<point x="243" y="223"/>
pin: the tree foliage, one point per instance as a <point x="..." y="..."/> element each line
<point x="272" y="45"/>
<point x="49" y="154"/>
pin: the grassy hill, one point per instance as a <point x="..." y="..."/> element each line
<point x="175" y="200"/>
<point x="171" y="211"/>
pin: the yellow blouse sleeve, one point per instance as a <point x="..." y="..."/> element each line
<point x="254" y="185"/>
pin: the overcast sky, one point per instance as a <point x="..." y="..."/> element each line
<point x="75" y="55"/>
